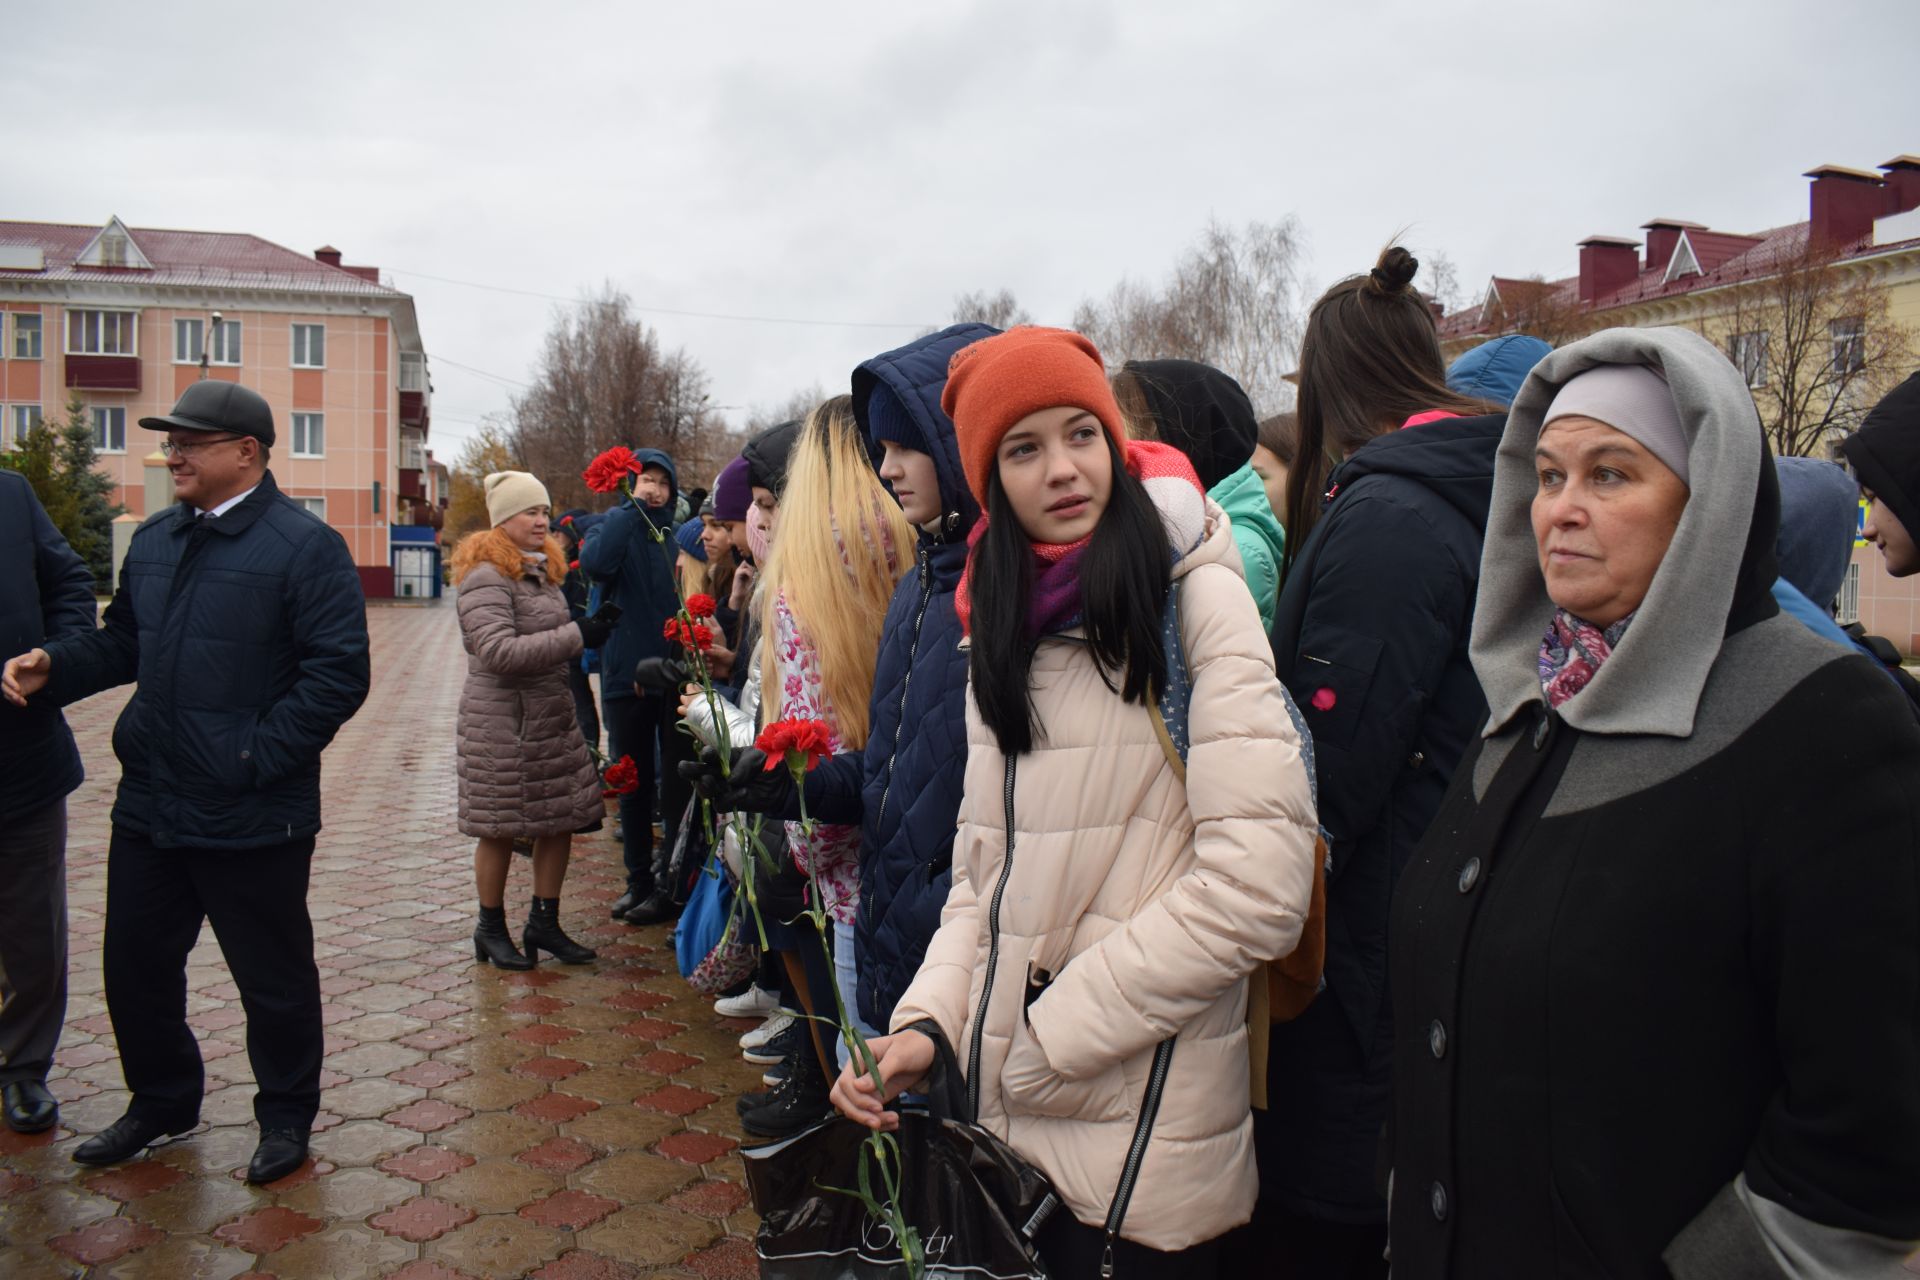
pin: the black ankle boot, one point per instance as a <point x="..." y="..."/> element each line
<point x="545" y="934"/>
<point x="491" y="941"/>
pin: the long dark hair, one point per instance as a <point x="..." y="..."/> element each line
<point x="1124" y="577"/>
<point x="1370" y="360"/>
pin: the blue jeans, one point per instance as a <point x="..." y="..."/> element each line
<point x="845" y="978"/>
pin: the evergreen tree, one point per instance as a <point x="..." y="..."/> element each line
<point x="59" y="464"/>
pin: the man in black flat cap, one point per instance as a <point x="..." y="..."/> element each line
<point x="241" y="619"/>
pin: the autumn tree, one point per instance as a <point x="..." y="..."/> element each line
<point x="603" y="379"/>
<point x="1817" y="344"/>
<point x="1234" y="300"/>
<point x="480" y="457"/>
<point x="1001" y="310"/>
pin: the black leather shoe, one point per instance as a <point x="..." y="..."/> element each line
<point x="29" y="1107"/>
<point x="623" y="904"/>
<point x="280" y="1152"/>
<point x="124" y="1139"/>
<point x="655" y="908"/>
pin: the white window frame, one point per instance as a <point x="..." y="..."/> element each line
<point x="223" y="343"/>
<point x="303" y="424"/>
<point x="1849" y="337"/>
<point x="1748" y="352"/>
<point x="38" y="331"/>
<point x="314" y="506"/>
<point x="294" y="345"/>
<point x="127" y="335"/>
<point x="101" y="416"/>
<point x="17" y="427"/>
<point x="1848" y="611"/>
<point x="187" y="349"/>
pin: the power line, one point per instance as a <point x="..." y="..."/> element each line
<point x="669" y="311"/>
<point x="512" y="382"/>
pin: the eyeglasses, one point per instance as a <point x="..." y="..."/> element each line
<point x="169" y="446"/>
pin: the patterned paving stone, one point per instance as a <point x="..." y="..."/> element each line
<point x="558" y="1156"/>
<point x="427" y="1117"/>
<point x="105" y="1240"/>
<point x="731" y="1259"/>
<point x="427" y="1164"/>
<point x="581" y="1265"/>
<point x="423" y="1219"/>
<point x="421" y="1269"/>
<point x="131" y="1181"/>
<point x="635" y="1177"/>
<point x="505" y="1247"/>
<point x="650" y="1235"/>
<point x="496" y="1186"/>
<point x="556" y="1108"/>
<point x="266" y="1230"/>
<point x="352" y="1194"/>
<point x="676" y="1100"/>
<point x="696" y="1148"/>
<point x="710" y="1199"/>
<point x="178" y="1258"/>
<point x="569" y="1210"/>
<point x="346" y="1251"/>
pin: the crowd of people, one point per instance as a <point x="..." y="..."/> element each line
<point x="1444" y="827"/>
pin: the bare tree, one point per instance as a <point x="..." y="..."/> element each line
<point x="1443" y="283"/>
<point x="1541" y="309"/>
<point x="603" y="380"/>
<point x="1234" y="300"/>
<point x="794" y="408"/>
<point x="1817" y="344"/>
<point x="1001" y="310"/>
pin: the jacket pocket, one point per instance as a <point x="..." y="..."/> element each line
<point x="1331" y="681"/>
<point x="1031" y="1086"/>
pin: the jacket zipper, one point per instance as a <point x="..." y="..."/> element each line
<point x="913" y="656"/>
<point x="1137" y="1152"/>
<point x="993" y="953"/>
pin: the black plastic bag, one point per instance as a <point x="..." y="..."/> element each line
<point x="974" y="1201"/>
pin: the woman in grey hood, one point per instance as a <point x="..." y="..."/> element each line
<point x="1655" y="975"/>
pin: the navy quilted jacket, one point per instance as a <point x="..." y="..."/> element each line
<point x="247" y="636"/>
<point x="905" y="787"/>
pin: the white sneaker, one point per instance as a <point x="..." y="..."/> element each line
<point x="777" y="1021"/>
<point x="754" y="1002"/>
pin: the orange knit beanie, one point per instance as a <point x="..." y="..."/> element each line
<point x="995" y="382"/>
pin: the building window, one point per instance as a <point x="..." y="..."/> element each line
<point x="102" y="333"/>
<point x="187" y="338"/>
<point x="26" y="335"/>
<point x="413" y="371"/>
<point x="316" y="506"/>
<point x="1748" y="351"/>
<point x="25" y="417"/>
<point x="226" y="343"/>
<point x="1848" y="611"/>
<point x="110" y="429"/>
<point x="309" y="346"/>
<point x="1849" y="344"/>
<point x="309" y="435"/>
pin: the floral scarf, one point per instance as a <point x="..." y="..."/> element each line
<point x="1053" y="604"/>
<point x="1572" y="651"/>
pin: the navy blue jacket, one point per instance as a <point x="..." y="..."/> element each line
<point x="46" y="593"/>
<point x="248" y="636"/>
<point x="1371" y="640"/>
<point x="904" y="789"/>
<point x="635" y="571"/>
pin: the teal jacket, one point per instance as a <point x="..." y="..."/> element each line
<point x="1257" y="532"/>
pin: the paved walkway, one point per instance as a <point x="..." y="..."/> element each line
<point x="566" y="1123"/>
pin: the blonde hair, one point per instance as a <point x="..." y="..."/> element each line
<point x="490" y="546"/>
<point x="841" y="549"/>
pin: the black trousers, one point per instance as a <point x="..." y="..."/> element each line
<point x="256" y="900"/>
<point x="584" y="708"/>
<point x="1073" y="1250"/>
<point x="1293" y="1246"/>
<point x="33" y="940"/>
<point x="647" y="728"/>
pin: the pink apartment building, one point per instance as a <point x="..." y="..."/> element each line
<point x="126" y="317"/>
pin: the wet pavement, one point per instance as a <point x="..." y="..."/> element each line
<point x="570" y="1123"/>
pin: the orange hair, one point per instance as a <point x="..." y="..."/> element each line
<point x="490" y="546"/>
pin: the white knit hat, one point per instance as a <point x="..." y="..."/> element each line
<point x="511" y="492"/>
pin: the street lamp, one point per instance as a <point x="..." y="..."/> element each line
<point x="206" y="344"/>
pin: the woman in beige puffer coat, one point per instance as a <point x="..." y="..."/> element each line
<point x="525" y="772"/>
<point x="1101" y="904"/>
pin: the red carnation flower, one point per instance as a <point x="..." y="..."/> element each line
<point x="573" y="566"/>
<point x="697" y="636"/>
<point x="609" y="471"/>
<point x="622" y="777"/>
<point x="700" y="606"/>
<point x="784" y="739"/>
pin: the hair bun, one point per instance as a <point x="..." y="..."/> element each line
<point x="1395" y="270"/>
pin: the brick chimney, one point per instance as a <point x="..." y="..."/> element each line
<point x="1842" y="204"/>
<point x="1903" y="183"/>
<point x="1607" y="263"/>
<point x="1662" y="235"/>
<point x="328" y="254"/>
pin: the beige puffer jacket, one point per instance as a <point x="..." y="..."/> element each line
<point x="1148" y="902"/>
<point x="524" y="768"/>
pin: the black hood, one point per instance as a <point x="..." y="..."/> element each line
<point x="767" y="454"/>
<point x="1453" y="457"/>
<point x="1885" y="452"/>
<point x="1200" y="411"/>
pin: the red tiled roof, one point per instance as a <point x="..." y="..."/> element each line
<point x="1712" y="248"/>
<point x="206" y="259"/>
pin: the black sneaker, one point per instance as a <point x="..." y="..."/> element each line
<point x="783" y="1045"/>
<point x="799" y="1101"/>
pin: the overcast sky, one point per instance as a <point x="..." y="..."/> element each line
<point x="865" y="163"/>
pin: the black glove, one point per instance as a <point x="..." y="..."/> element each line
<point x="595" y="630"/>
<point x="662" y="675"/>
<point x="750" y="786"/>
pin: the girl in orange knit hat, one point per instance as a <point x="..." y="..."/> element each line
<point x="1110" y="897"/>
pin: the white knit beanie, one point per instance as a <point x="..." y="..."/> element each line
<point x="511" y="492"/>
<point x="1633" y="400"/>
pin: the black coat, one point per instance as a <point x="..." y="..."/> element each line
<point x="1628" y="968"/>
<point x="248" y="637"/>
<point x="46" y="593"/>
<point x="1370" y="638"/>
